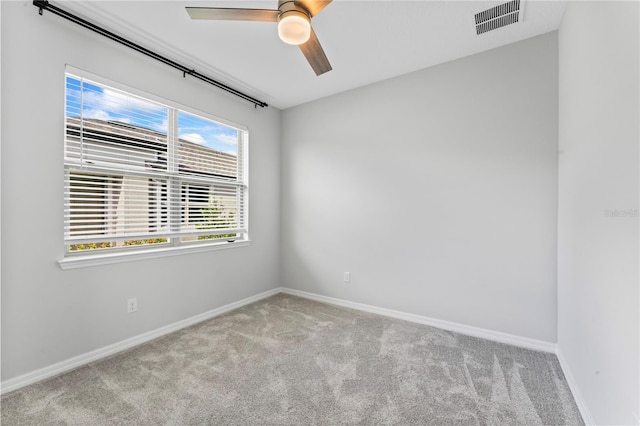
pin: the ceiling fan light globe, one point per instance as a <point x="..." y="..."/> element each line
<point x="294" y="27"/>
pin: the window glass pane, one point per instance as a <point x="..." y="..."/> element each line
<point x="110" y="128"/>
<point x="208" y="207"/>
<point x="89" y="199"/>
<point x="111" y="207"/>
<point x="206" y="148"/>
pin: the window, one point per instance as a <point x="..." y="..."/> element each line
<point x="142" y="173"/>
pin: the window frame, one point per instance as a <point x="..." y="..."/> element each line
<point x="176" y="245"/>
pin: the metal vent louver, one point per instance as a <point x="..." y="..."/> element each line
<point x="497" y="17"/>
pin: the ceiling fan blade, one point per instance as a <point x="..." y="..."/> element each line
<point x="314" y="6"/>
<point x="232" y="14"/>
<point x="315" y="55"/>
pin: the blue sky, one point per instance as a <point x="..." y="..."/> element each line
<point x="105" y="103"/>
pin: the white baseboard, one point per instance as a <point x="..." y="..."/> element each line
<point x="496" y="336"/>
<point x="80" y="360"/>
<point x="575" y="390"/>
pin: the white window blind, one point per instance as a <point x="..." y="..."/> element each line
<point x="139" y="172"/>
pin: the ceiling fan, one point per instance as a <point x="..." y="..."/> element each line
<point x="294" y="25"/>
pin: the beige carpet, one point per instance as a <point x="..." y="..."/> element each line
<point x="291" y="361"/>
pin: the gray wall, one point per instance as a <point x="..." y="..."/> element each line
<point x="598" y="202"/>
<point x="437" y="190"/>
<point x="49" y="315"/>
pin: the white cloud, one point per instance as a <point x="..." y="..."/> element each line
<point x="226" y="139"/>
<point x="161" y="127"/>
<point x="115" y="105"/>
<point x="118" y="102"/>
<point x="98" y="114"/>
<point x="194" y="137"/>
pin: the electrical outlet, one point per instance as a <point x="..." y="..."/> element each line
<point x="132" y="305"/>
<point x="347" y="277"/>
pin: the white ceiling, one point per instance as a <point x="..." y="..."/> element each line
<point x="365" y="41"/>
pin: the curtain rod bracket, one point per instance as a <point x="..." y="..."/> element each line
<point x="41" y="5"/>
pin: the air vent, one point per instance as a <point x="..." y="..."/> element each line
<point x="497" y="17"/>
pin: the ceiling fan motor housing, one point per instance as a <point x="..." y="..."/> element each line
<point x="285" y="6"/>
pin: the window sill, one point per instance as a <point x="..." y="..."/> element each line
<point x="84" y="261"/>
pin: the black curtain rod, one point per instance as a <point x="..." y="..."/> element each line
<point x="45" y="5"/>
